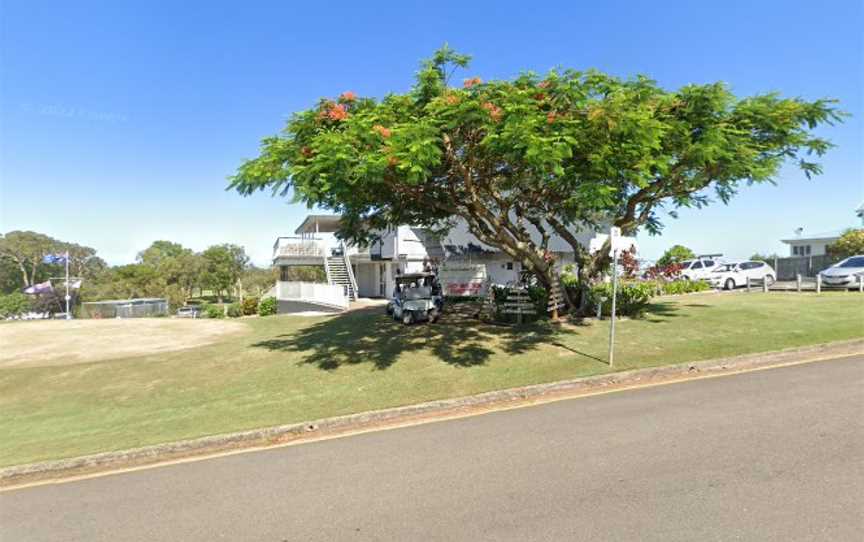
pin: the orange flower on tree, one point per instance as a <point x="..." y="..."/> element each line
<point x="392" y="161"/>
<point x="543" y="84"/>
<point x="468" y="83"/>
<point x="451" y="99"/>
<point x="382" y="131"/>
<point x="494" y="110"/>
<point x="348" y="96"/>
<point x="337" y="112"/>
<point x="551" y="117"/>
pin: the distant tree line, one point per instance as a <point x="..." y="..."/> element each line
<point x="164" y="269"/>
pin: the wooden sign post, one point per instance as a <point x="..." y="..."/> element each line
<point x="518" y="302"/>
<point x="556" y="300"/>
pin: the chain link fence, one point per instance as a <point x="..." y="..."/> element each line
<point x="125" y="308"/>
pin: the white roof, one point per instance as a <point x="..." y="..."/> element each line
<point x="824" y="236"/>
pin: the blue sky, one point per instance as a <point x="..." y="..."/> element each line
<point x="120" y="121"/>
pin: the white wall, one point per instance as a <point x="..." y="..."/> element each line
<point x="460" y="236"/>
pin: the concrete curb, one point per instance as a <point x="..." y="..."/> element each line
<point x="392" y="417"/>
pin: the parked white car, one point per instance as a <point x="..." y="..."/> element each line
<point x="732" y="275"/>
<point x="698" y="269"/>
<point x="845" y="273"/>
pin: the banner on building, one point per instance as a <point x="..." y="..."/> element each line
<point x="462" y="279"/>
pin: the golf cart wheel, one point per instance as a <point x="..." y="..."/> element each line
<point x="769" y="279"/>
<point x="407" y="318"/>
<point x="730" y="284"/>
<point x="433" y="316"/>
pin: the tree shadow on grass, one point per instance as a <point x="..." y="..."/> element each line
<point x="370" y="336"/>
<point x="663" y="311"/>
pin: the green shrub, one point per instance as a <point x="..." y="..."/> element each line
<point x="250" y="306"/>
<point x="14" y="304"/>
<point x="267" y="307"/>
<point x="214" y="311"/>
<point x="681" y="286"/>
<point x="235" y="310"/>
<point x="631" y="300"/>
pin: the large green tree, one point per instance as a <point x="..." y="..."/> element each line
<point x="675" y="254"/>
<point x="851" y="243"/>
<point x="179" y="267"/>
<point x="26" y="249"/>
<point x="22" y="254"/>
<point x="521" y="160"/>
<point x="223" y="266"/>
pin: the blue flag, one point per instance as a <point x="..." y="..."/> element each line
<point x="54" y="258"/>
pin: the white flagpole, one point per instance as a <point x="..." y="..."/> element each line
<point x="68" y="297"/>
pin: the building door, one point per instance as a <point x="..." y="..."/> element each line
<point x="382" y="279"/>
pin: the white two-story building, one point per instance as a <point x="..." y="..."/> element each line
<point x="369" y="271"/>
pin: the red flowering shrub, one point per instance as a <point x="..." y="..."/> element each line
<point x="669" y="272"/>
<point x="629" y="263"/>
<point x="468" y="83"/>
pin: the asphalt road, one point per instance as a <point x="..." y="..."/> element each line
<point x="769" y="455"/>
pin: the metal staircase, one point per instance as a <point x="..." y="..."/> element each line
<point x="339" y="272"/>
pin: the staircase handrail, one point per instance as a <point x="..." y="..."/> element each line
<point x="350" y="270"/>
<point x="327" y="270"/>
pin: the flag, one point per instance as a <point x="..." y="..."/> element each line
<point x="73" y="284"/>
<point x="54" y="258"/>
<point x="41" y="288"/>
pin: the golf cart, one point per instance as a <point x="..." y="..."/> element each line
<point x="417" y="298"/>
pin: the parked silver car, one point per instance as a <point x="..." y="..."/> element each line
<point x="189" y="311"/>
<point x="732" y="275"/>
<point x="845" y="273"/>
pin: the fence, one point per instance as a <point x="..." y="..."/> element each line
<point x="125" y="308"/>
<point x="806" y="266"/>
<point x="313" y="292"/>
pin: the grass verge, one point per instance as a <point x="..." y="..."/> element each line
<point x="289" y="369"/>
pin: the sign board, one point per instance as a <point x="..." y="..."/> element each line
<point x="518" y="303"/>
<point x="619" y="243"/>
<point x="462" y="279"/>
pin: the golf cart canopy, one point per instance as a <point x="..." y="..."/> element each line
<point x="414" y="277"/>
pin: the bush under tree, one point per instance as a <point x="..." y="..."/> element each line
<point x="267" y="307"/>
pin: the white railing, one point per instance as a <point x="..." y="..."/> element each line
<point x="303" y="249"/>
<point x="312" y="292"/>
<point x="349" y="270"/>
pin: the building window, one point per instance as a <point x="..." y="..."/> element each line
<point x="509" y="266"/>
<point x="796" y="251"/>
<point x="807" y="250"/>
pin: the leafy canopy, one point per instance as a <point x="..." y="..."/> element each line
<point x="549" y="154"/>
<point x="851" y="243"/>
<point x="675" y="254"/>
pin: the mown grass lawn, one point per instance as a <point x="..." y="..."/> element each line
<point x="287" y="369"/>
